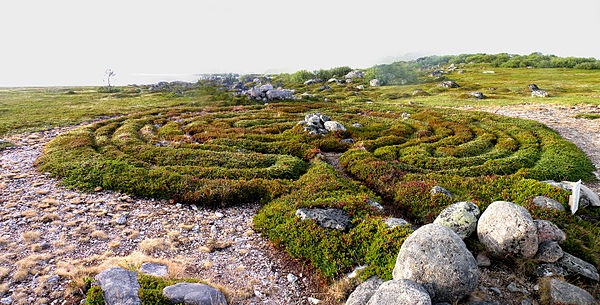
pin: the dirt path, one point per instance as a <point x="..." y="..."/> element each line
<point x="49" y="234"/>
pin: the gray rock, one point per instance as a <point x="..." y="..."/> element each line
<point x="374" y="83"/>
<point x="478" y="95"/>
<point x="539" y="93"/>
<point x="400" y="292"/>
<point x="326" y="218"/>
<point x="436" y="258"/>
<point x="547" y="231"/>
<point x="448" y="84"/>
<point x="360" y="87"/>
<point x="563" y="293"/>
<point x="325" y="87"/>
<point x="313" y="81"/>
<point x="420" y="92"/>
<point x="121" y="220"/>
<point x="549" y="252"/>
<point x="512" y="287"/>
<point x="194" y="294"/>
<point x="548" y="203"/>
<point x="506" y="229"/>
<point x="6" y="301"/>
<point x="357" y="125"/>
<point x="334" y="126"/>
<point x="550" y="270"/>
<point x="375" y="204"/>
<point x="355" y="74"/>
<point x="324" y="118"/>
<point x="154" y="269"/>
<point x="395" y="222"/>
<point x="120" y="286"/>
<point x="363" y="293"/>
<point x="438" y="190"/>
<point x="461" y="217"/>
<point x="483" y="260"/>
<point x="577" y="266"/>
<point x="349" y="141"/>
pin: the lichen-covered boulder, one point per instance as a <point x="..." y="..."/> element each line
<point x="363" y="293"/>
<point x="507" y="229"/>
<point x="548" y="203"/>
<point x="461" y="217"/>
<point x="437" y="258"/>
<point x="400" y="292"/>
<point x="563" y="293"/>
<point x="334" y="126"/>
<point x="327" y="218"/>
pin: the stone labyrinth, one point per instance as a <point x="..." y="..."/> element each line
<point x="236" y="154"/>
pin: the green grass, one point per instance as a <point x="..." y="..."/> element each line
<point x="589" y="116"/>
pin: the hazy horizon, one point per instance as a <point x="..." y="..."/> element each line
<point x="70" y="43"/>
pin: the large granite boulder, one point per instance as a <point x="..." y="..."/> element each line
<point x="436" y="258"/>
<point x="120" y="286"/>
<point x="194" y="294"/>
<point x="400" y="292"/>
<point x="461" y="217"/>
<point x="507" y="229"/>
<point x="334" y="126"/>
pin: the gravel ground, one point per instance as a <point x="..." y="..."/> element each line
<point x="49" y="234"/>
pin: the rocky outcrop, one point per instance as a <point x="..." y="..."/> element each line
<point x="461" y="217"/>
<point x="374" y="83"/>
<point x="355" y="74"/>
<point x="436" y="258"/>
<point x="316" y="123"/>
<point x="120" y="286"/>
<point x="194" y="293"/>
<point x="327" y="218"/>
<point x="478" y="95"/>
<point x="507" y="229"/>
<point x="400" y="292"/>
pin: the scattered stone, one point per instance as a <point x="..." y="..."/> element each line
<point x="53" y="279"/>
<point x="547" y="231"/>
<point x="400" y="292"/>
<point x="154" y="269"/>
<point x="6" y="301"/>
<point x="563" y="293"/>
<point x="507" y="229"/>
<point x="488" y="72"/>
<point x="348" y="141"/>
<point x="334" y="126"/>
<point x="357" y="125"/>
<point x="512" y="287"/>
<point x="313" y="81"/>
<point x="194" y="293"/>
<point x="120" y="286"/>
<point x="375" y="204"/>
<point x="461" y="217"/>
<point x="577" y="266"/>
<point x="437" y="258"/>
<point x="291" y="278"/>
<point x="327" y="218"/>
<point x="438" y="190"/>
<point x="448" y="84"/>
<point x="374" y="83"/>
<point x="478" y="95"/>
<point x="360" y="87"/>
<point x="314" y="301"/>
<point x="483" y="260"/>
<point x="325" y="87"/>
<point x="549" y="252"/>
<point x="548" y="203"/>
<point x="363" y="293"/>
<point x="536" y="91"/>
<point x="121" y="220"/>
<point x="396" y="222"/>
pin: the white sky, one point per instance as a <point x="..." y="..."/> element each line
<point x="72" y="42"/>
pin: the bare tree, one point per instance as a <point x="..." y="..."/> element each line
<point x="109" y="73"/>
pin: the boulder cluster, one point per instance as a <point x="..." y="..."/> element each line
<point x="268" y="93"/>
<point x="316" y="123"/>
<point x="121" y="286"/>
<point x="434" y="265"/>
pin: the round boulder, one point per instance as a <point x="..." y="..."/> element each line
<point x="461" y="217"/>
<point x="507" y="229"/>
<point x="400" y="292"/>
<point x="436" y="258"/>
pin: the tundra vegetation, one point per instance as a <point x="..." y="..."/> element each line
<point x="206" y="146"/>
